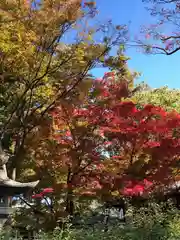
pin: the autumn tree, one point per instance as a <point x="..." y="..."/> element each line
<point x="109" y="146"/>
<point x="161" y="97"/>
<point x="39" y="68"/>
<point x="71" y="146"/>
<point x="140" y="142"/>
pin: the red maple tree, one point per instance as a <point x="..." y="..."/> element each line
<point x="120" y="146"/>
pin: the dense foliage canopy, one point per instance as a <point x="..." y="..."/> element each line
<point x="84" y="137"/>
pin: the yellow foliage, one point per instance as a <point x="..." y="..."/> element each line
<point x="115" y="193"/>
<point x="82" y="123"/>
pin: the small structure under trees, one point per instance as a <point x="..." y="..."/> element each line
<point x="10" y="188"/>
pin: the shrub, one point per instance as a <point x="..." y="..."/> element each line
<point x="154" y="222"/>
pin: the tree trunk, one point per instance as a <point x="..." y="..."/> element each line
<point x="69" y="197"/>
<point x="70" y="203"/>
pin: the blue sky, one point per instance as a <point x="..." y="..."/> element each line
<point x="157" y="70"/>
